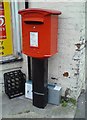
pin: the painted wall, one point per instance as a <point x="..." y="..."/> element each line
<point x="67" y="67"/>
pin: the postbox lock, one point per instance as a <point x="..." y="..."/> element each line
<point x="34" y="27"/>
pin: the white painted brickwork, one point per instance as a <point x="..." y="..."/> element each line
<point x="70" y="60"/>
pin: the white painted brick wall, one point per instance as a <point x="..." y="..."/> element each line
<point x="71" y="32"/>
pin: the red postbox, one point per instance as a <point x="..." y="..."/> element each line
<point x="39" y="32"/>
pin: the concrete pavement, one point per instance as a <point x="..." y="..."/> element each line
<point x="22" y="108"/>
<point x="81" y="105"/>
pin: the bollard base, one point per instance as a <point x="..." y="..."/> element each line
<point x="40" y="100"/>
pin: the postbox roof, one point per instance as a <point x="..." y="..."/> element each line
<point x="38" y="10"/>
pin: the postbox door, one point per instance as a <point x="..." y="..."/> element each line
<point x="36" y="35"/>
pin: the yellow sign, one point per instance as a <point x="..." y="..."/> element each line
<point x="6" y="46"/>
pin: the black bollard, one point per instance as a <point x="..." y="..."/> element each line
<point x="40" y="81"/>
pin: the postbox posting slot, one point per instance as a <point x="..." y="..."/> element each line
<point x="34" y="20"/>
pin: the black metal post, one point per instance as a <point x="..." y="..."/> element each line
<point x="40" y="81"/>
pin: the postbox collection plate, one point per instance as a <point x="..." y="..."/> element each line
<point x="33" y="39"/>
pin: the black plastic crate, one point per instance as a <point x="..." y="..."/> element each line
<point x="14" y="83"/>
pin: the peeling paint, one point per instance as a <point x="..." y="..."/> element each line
<point x="78" y="45"/>
<point x="65" y="74"/>
<point x="53" y="78"/>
